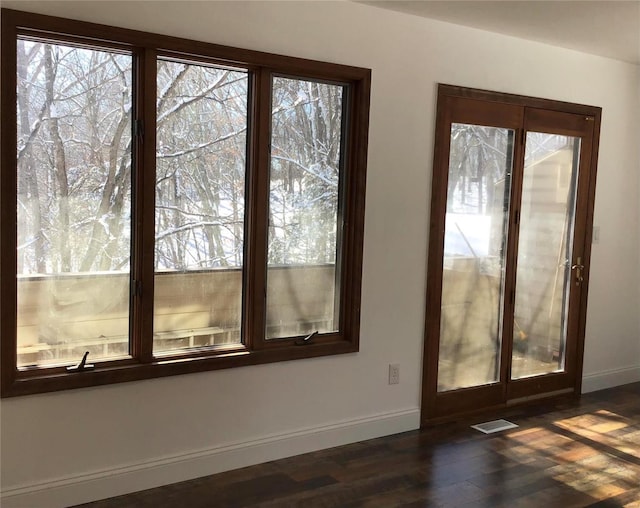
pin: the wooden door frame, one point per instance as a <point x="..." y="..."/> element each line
<point x="448" y="95"/>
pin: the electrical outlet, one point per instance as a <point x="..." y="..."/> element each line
<point x="394" y="373"/>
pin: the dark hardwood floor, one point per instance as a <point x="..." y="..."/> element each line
<point x="563" y="454"/>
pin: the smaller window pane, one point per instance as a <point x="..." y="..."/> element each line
<point x="303" y="286"/>
<point x="201" y="151"/>
<point x="73" y="203"/>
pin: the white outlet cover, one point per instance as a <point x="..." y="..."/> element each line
<point x="394" y="373"/>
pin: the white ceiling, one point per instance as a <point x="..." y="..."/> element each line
<point x="605" y="28"/>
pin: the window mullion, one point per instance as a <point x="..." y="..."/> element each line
<point x="8" y="256"/>
<point x="144" y="203"/>
<point x="258" y="186"/>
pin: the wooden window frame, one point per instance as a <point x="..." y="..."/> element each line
<point x="146" y="48"/>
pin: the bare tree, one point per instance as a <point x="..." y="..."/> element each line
<point x="74" y="163"/>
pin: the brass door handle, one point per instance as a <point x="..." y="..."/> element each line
<point x="578" y="267"/>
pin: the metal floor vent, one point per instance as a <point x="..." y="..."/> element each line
<point x="494" y="426"/>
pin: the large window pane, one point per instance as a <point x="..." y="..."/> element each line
<point x="200" y="202"/>
<point x="304" y="219"/>
<point x="73" y="203"/>
<point x="480" y="162"/>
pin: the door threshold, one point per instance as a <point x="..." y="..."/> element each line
<point x="503" y="410"/>
<point x="538" y="396"/>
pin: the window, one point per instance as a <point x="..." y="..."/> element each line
<point x="171" y="206"/>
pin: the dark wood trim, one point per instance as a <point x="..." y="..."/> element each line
<point x="145" y="48"/>
<point x="56" y="380"/>
<point x="511" y="256"/>
<point x="588" y="240"/>
<point x="490" y="114"/>
<point x="104" y="35"/>
<point x="203" y="60"/>
<point x="145" y="256"/>
<point x="466" y="399"/>
<point x="563" y="123"/>
<point x="458" y="104"/>
<point x="8" y="205"/>
<point x="138" y="184"/>
<point x="354" y="208"/>
<point x="249" y="290"/>
<point x="517" y="100"/>
<point x="538" y="385"/>
<point x="492" y="412"/>
<point x="259" y="211"/>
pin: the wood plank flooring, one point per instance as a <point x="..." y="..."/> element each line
<point x="564" y="454"/>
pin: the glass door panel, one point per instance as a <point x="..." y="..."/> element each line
<point x="543" y="278"/>
<point x="473" y="276"/>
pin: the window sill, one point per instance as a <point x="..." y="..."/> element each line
<point x="33" y="381"/>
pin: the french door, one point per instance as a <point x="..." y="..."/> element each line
<point x="512" y="204"/>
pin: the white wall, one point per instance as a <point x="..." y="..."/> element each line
<point x="70" y="447"/>
<point x="612" y="350"/>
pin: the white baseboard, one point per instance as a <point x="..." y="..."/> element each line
<point x="96" y="485"/>
<point x="610" y="378"/>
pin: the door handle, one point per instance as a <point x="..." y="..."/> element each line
<point x="578" y="267"/>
